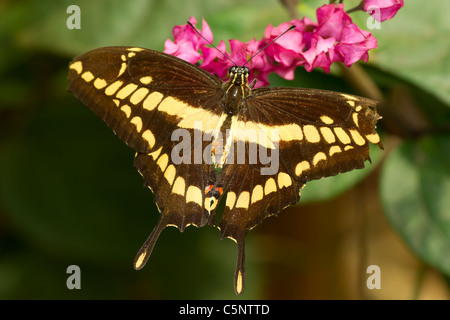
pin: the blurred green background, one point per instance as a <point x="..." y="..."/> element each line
<point x="69" y="194"/>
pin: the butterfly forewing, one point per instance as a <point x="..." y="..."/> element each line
<point x="128" y="88"/>
<point x="321" y="133"/>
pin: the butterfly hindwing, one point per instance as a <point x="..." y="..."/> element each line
<point x="179" y="192"/>
<point x="178" y="188"/>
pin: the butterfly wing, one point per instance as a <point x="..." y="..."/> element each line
<point x="252" y="197"/>
<point x="145" y="96"/>
<point x="128" y="88"/>
<point x="316" y="134"/>
<point x="321" y="133"/>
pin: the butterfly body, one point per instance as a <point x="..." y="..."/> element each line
<point x="235" y="90"/>
<point x="199" y="140"/>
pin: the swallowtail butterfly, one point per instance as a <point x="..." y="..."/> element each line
<point x="188" y="126"/>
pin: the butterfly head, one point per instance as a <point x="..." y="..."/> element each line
<point x="238" y="75"/>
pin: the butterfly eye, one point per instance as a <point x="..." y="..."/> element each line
<point x="246" y="70"/>
<point x="232" y="70"/>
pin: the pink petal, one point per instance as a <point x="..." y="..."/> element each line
<point x="331" y="20"/>
<point x="382" y="10"/>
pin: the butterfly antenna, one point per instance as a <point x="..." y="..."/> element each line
<point x="262" y="49"/>
<point x="259" y="51"/>
<point x="198" y="32"/>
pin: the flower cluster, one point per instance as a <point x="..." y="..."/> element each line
<point x="334" y="37"/>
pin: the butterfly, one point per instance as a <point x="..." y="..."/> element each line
<point x="199" y="140"/>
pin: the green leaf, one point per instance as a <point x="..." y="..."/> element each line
<point x="415" y="45"/>
<point x="146" y="23"/>
<point x="59" y="189"/>
<point x="415" y="189"/>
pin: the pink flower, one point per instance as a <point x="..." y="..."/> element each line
<point x="286" y="51"/>
<point x="187" y="42"/>
<point x="322" y="38"/>
<point x="331" y="20"/>
<point x="241" y="53"/>
<point x="183" y="49"/>
<point x="334" y="37"/>
<point x="320" y="54"/>
<point x="244" y="53"/>
<point x="382" y="9"/>
<point x="355" y="44"/>
<point x="214" y="62"/>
